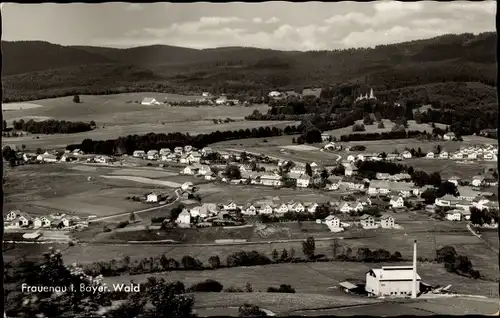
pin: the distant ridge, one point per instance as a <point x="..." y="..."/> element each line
<point x="447" y="58"/>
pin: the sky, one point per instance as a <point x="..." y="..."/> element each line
<point x="274" y="25"/>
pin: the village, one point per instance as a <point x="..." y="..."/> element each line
<point x="363" y="201"/>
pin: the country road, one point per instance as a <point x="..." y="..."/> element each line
<point x="136" y="212"/>
<point x="482" y="240"/>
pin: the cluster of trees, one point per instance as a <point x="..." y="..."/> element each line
<point x="369" y="170"/>
<point x="456" y="263"/>
<point x="462" y="122"/>
<point x="483" y="216"/>
<point x="127" y="145"/>
<point x="52" y="126"/>
<point x="9" y="155"/>
<point x="383" y="136"/>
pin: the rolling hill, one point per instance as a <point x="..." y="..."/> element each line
<point x="43" y="69"/>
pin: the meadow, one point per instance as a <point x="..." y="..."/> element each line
<point x="388" y="125"/>
<point x="122" y="114"/>
<point x="312" y="278"/>
<point x="65" y="188"/>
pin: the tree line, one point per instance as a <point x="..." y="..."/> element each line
<point x="152" y="141"/>
<point x="51" y="126"/>
<point x="383" y="135"/>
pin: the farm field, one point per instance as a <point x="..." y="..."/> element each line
<point x="388" y="125"/>
<point x="429" y="239"/>
<point x="122" y="109"/>
<point x="49" y="188"/>
<point x="421" y="307"/>
<point x="313" y="278"/>
<point x="113" y="131"/>
<point x="449" y="168"/>
<point x="218" y="303"/>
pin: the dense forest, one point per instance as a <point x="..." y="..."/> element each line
<point x="440" y="66"/>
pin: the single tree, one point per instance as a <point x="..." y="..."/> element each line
<point x="308" y="247"/>
<point x="76" y="99"/>
<point x="309" y="171"/>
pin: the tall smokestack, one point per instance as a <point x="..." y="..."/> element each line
<point x="414" y="284"/>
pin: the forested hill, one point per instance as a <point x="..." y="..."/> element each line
<point x="32" y="67"/>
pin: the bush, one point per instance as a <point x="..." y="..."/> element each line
<point x="233" y="290"/>
<point x="248" y="310"/>
<point x="358" y="127"/>
<point x="122" y="224"/>
<point x="282" y="289"/>
<point x="209" y="285"/>
<point x="214" y="262"/>
<point x="189" y="262"/>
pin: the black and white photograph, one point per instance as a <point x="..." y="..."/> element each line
<point x="250" y="159"/>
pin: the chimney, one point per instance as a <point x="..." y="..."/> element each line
<point x="414" y="283"/>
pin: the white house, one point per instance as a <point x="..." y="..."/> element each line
<point x="345" y="207"/>
<point x="187" y="186"/>
<point x="477" y="181"/>
<point x="230" y="207"/>
<point x="378" y="187"/>
<point x="298" y="207"/>
<point x="282" y="209"/>
<point x="274" y="94"/>
<point x="152" y="197"/>
<point x="271" y="180"/>
<point x="178" y="150"/>
<point x="187" y="170"/>
<point x="449" y="136"/>
<point x="194" y="157"/>
<point x="139" y="154"/>
<point x="149" y="101"/>
<point x="367" y="221"/>
<point x="266" y="209"/>
<point x="454" y="180"/>
<point x="472" y="156"/>
<point x="406" y="155"/>
<point x="184" y="218"/>
<point x="397" y="202"/>
<point x="488" y="156"/>
<point x="164" y="151"/>
<point x="392" y="281"/>
<point x="152" y="154"/>
<point x="188" y="148"/>
<point x="351" y="158"/>
<point x="387" y="222"/>
<point x="430" y="155"/>
<point x="221" y="100"/>
<point x="205" y="170"/>
<point x="332" y="222"/>
<point x="249" y="209"/>
<point x="312" y="208"/>
<point x="184" y="159"/>
<point x="22" y="219"/>
<point x="325" y="137"/>
<point x="12" y="215"/>
<point x="206" y="150"/>
<point x="447" y="200"/>
<point x="303" y="181"/>
<point x="443" y="155"/>
<point x="42" y="222"/>
<point x="458" y="156"/>
<point x="298" y="170"/>
<point x="454" y="215"/>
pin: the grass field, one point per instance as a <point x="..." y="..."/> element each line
<point x="388" y="125"/>
<point x="49" y="188"/>
<point x="449" y="168"/>
<point x="121" y="109"/>
<point x="112" y="131"/>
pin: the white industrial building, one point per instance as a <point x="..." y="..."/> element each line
<point x="394" y="281"/>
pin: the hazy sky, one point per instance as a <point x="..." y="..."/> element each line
<point x="277" y="25"/>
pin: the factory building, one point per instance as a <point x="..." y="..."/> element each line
<point x="394" y="281"/>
